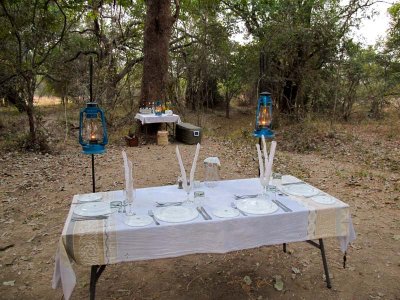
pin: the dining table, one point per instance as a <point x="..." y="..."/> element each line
<point x="220" y="219"/>
<point x="152" y="118"/>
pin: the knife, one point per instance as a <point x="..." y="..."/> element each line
<point x="201" y="212"/>
<point x="291" y="183"/>
<point x="204" y="211"/>
<point x="75" y="219"/>
<point x="282" y="206"/>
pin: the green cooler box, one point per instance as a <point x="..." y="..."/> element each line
<point x="188" y="133"/>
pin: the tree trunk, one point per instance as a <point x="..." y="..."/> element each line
<point x="227" y="106"/>
<point x="157" y="34"/>
<point x="30" y="93"/>
<point x="31" y="120"/>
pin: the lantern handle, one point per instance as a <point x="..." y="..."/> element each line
<point x="103" y="122"/>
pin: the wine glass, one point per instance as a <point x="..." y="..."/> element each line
<point x="265" y="188"/>
<point x="129" y="197"/>
<point x="188" y="187"/>
<point x="276" y="181"/>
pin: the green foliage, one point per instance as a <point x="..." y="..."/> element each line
<point x="298" y="50"/>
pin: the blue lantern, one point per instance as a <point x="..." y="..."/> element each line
<point x="158" y="108"/>
<point x="92" y="129"/>
<point x="264" y="116"/>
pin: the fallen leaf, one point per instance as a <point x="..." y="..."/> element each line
<point x="396" y="237"/>
<point x="247" y="280"/>
<point x="10" y="283"/>
<point x="278" y="285"/>
<point x="295" y="270"/>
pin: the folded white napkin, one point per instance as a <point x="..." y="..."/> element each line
<point x="182" y="167"/>
<point x="128" y="167"/>
<point x="266" y="166"/>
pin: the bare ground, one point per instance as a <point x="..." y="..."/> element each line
<point x="358" y="163"/>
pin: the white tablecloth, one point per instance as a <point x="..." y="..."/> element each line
<point x="152" y="118"/>
<point x="111" y="241"/>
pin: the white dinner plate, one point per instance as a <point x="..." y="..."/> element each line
<point x="300" y="190"/>
<point x="225" y="212"/>
<point x="175" y="214"/>
<point x="257" y="206"/>
<point x="138" y="221"/>
<point x="93" y="209"/>
<point x="288" y="179"/>
<point x="89" y="197"/>
<point x="323" y="199"/>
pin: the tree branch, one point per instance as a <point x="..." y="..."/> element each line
<point x="15" y="31"/>
<point x="59" y="39"/>
<point x="84" y="53"/>
<point x="177" y="10"/>
<point x="128" y="66"/>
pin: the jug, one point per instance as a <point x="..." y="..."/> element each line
<point x="211" y="171"/>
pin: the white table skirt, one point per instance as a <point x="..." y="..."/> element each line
<point x="152" y="118"/>
<point x="111" y="241"/>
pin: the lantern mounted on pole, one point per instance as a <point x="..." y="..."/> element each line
<point x="92" y="127"/>
<point x="264" y="116"/>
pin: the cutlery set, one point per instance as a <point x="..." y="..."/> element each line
<point x="277" y="202"/>
<point x="203" y="213"/>
<point x="200" y="209"/>
<point x="151" y="214"/>
<point x="233" y="205"/>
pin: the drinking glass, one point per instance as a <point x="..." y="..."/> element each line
<point x="276" y="181"/>
<point x="129" y="197"/>
<point x="188" y="187"/>
<point x="265" y="195"/>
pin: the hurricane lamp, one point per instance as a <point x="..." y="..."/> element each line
<point x="158" y="108"/>
<point x="264" y="116"/>
<point x="92" y="129"/>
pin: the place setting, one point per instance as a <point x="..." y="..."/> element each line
<point x="291" y="185"/>
<point x="91" y="207"/>
<point x="192" y="204"/>
<point x="266" y="202"/>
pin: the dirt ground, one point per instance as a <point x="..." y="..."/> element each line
<point x="357" y="163"/>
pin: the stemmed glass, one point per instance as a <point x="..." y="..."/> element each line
<point x="188" y="187"/>
<point x="129" y="197"/>
<point x="276" y="181"/>
<point x="265" y="188"/>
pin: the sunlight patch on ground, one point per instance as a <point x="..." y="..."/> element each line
<point x="44" y="101"/>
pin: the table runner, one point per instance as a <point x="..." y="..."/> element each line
<point x="111" y="241"/>
<point x="152" y="118"/>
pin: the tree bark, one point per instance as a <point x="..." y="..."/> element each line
<point x="227" y="106"/>
<point x="157" y="34"/>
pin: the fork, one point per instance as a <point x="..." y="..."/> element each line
<point x="151" y="214"/>
<point x="233" y="205"/>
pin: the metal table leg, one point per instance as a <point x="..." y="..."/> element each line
<point x="321" y="247"/>
<point x="95" y="274"/>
